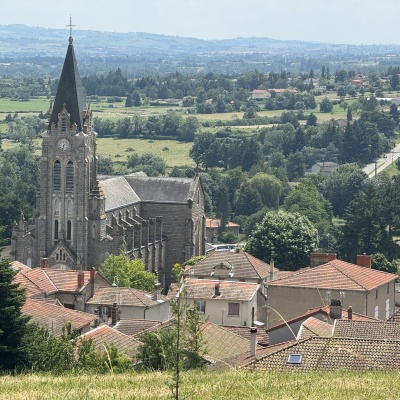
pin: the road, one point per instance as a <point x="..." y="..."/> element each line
<point x="381" y="163"/>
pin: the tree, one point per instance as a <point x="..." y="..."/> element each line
<point x="381" y="263"/>
<point x="286" y="238"/>
<point x="128" y="273"/>
<point x="326" y="106"/>
<point x="311" y="120"/>
<point x="13" y="324"/>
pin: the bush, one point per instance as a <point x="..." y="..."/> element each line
<point x="227" y="237"/>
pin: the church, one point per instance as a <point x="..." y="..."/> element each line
<point x="82" y="218"/>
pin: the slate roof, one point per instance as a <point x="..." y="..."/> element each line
<point x="229" y="290"/>
<point x="243" y="265"/>
<point x="55" y="317"/>
<point x="333" y="354"/>
<point x="162" y="190"/>
<point x="70" y="91"/>
<point x="336" y="275"/>
<point x="367" y="330"/>
<point x="124" y="296"/>
<point x="133" y="327"/>
<point x="105" y="335"/>
<point x="314" y="327"/>
<point x="118" y="193"/>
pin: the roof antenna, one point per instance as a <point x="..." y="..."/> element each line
<point x="70" y="29"/>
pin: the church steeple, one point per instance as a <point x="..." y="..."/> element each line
<point x="70" y="94"/>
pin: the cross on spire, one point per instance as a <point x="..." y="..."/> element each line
<point x="70" y="29"/>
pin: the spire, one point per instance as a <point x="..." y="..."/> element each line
<point x="70" y="91"/>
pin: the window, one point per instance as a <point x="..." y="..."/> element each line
<point x="56" y="229"/>
<point x="69" y="180"/>
<point x="388" y="288"/>
<point x="294" y="359"/>
<point x="233" y="309"/>
<point x="69" y="230"/>
<point x="387" y="309"/>
<point x="63" y="124"/>
<point x="376" y="315"/>
<point x="376" y="293"/>
<point x="57" y="176"/>
<point x="201" y="306"/>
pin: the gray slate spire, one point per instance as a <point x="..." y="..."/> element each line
<point x="70" y="92"/>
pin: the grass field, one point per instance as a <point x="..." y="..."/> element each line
<point x="345" y="385"/>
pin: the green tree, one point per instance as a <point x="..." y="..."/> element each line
<point x="326" y="106"/>
<point x="286" y="238"/>
<point x="13" y="324"/>
<point x="381" y="263"/>
<point x="128" y="273"/>
<point x="311" y="120"/>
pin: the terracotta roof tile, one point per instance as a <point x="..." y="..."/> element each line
<point x="229" y="290"/>
<point x="105" y="335"/>
<point x="338" y="275"/>
<point x="124" y="297"/>
<point x="395" y="317"/>
<point x="55" y="317"/>
<point x="32" y="289"/>
<point x="244" y="331"/>
<point x="319" y="353"/>
<point x="133" y="327"/>
<point x="243" y="265"/>
<point x="367" y="329"/>
<point x="18" y="266"/>
<point x="67" y="280"/>
<point x="314" y="327"/>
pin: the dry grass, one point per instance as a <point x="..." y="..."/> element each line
<point x="206" y="385"/>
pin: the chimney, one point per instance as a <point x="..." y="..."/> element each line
<point x="44" y="263"/>
<point x="114" y="314"/>
<point x="271" y="270"/>
<point x="81" y="279"/>
<point x="92" y="278"/>
<point x="216" y="290"/>
<point x="157" y="291"/>
<point x="253" y="341"/>
<point x="364" y="261"/>
<point x="321" y="258"/>
<point x="335" y="309"/>
<point x="350" y="312"/>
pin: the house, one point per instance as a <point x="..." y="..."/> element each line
<point x="71" y="288"/>
<point x="225" y="302"/>
<point x="366" y="290"/>
<point x="333" y="353"/>
<point x="131" y="303"/>
<point x="233" y="266"/>
<point x="134" y="327"/>
<point x="259" y="94"/>
<point x="288" y="329"/>
<point x="324" y="167"/>
<point x="213" y="227"/>
<point x="314" y="327"/>
<point x="57" y="319"/>
<point x="104" y="335"/>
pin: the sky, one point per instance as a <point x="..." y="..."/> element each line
<point x="334" y="21"/>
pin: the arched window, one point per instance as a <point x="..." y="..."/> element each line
<point x="70" y="208"/>
<point x="69" y="230"/>
<point x="56" y="229"/>
<point x="69" y="178"/>
<point x="56" y="207"/>
<point x="57" y="176"/>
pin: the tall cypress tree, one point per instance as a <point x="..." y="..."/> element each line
<point x="12" y="322"/>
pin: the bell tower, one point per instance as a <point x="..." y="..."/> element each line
<point x="68" y="173"/>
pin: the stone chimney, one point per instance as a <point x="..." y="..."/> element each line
<point x="364" y="261"/>
<point x="216" y="290"/>
<point x="114" y="314"/>
<point x="335" y="309"/>
<point x="44" y="263"/>
<point x="350" y="312"/>
<point x="253" y="341"/>
<point x="81" y="279"/>
<point x="321" y="258"/>
<point x="157" y="292"/>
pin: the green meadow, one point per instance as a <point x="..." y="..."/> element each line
<point x="204" y="385"/>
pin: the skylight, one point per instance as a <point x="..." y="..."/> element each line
<point x="294" y="359"/>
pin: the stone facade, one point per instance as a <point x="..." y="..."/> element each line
<point x="83" y="218"/>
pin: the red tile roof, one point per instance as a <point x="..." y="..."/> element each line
<point x="18" y="266"/>
<point x="105" y="335"/>
<point x="314" y="327"/>
<point x="333" y="353"/>
<point x="367" y="329"/>
<point x="395" y="317"/>
<point x="55" y="317"/>
<point x="124" y="297"/>
<point x="244" y="265"/>
<point x="337" y="275"/>
<point x="216" y="223"/>
<point x="133" y="327"/>
<point x="229" y="290"/>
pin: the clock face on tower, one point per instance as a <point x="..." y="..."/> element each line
<point x="63" y="144"/>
